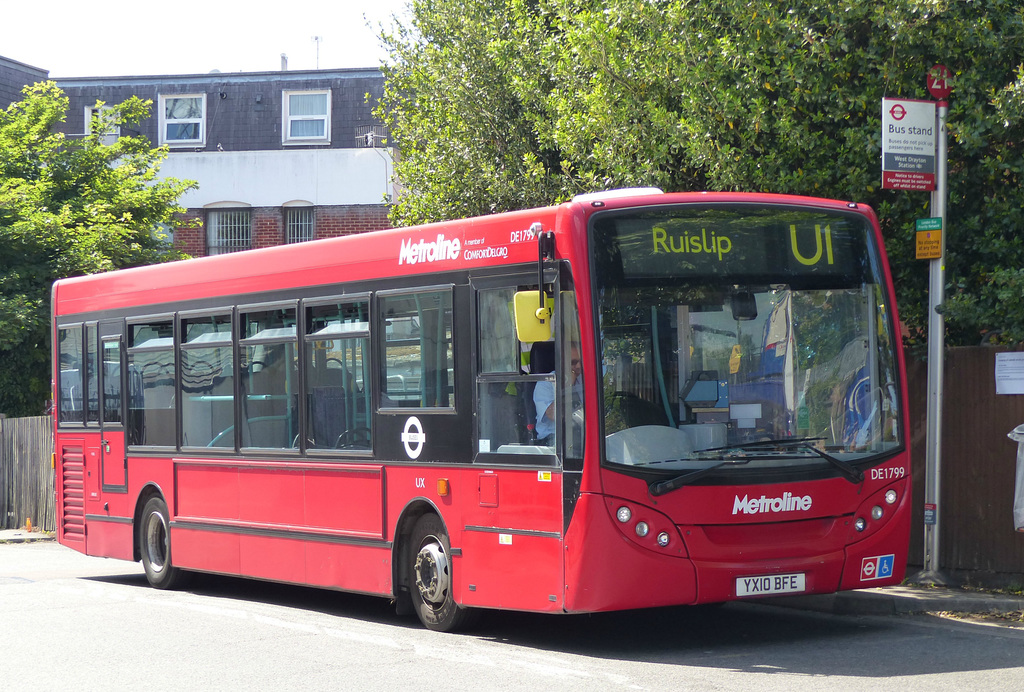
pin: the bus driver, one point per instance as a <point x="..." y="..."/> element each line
<point x="544" y="401"/>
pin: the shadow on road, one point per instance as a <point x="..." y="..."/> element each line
<point x="742" y="637"/>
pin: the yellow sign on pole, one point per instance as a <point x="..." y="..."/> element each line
<point x="929" y="245"/>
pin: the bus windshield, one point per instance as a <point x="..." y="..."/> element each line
<point x="743" y="339"/>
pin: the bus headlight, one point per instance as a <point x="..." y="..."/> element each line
<point x="645" y="527"/>
<point x="860" y="524"/>
<point x="890" y="496"/>
<point x="876" y="512"/>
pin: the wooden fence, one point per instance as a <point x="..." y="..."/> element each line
<point x="977" y="540"/>
<point x="26" y="473"/>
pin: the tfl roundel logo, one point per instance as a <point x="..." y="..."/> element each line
<point x="879" y="567"/>
<point x="413" y="437"/>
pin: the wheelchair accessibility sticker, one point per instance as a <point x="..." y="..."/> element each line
<point x="879" y="567"/>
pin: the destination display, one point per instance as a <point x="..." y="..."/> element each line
<point x="717" y="242"/>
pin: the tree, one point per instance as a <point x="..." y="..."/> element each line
<point x="723" y="95"/>
<point x="458" y="105"/>
<point x="68" y="206"/>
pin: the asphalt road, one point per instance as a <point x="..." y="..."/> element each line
<point x="71" y="622"/>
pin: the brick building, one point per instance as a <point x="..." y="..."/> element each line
<point x="279" y="156"/>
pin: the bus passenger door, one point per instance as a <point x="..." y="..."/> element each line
<point x="114" y="476"/>
<point x="92" y="447"/>
<point x="513" y="518"/>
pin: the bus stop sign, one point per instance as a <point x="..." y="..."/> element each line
<point x="908" y="144"/>
<point x="940" y="82"/>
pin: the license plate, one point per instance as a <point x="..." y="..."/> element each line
<point x="770" y="585"/>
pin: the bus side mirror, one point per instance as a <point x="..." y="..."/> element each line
<point x="533" y="323"/>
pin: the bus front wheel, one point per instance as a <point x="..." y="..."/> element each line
<point x="155" y="546"/>
<point x="430" y="553"/>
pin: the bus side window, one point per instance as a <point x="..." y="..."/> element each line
<point x="269" y="379"/>
<point x="111" y="364"/>
<point x="337" y="367"/>
<point x="92" y="376"/>
<point x="70" y="403"/>
<point x="207" y="382"/>
<point x="502" y="392"/>
<point x="151" y="402"/>
<point x="571" y="370"/>
<point x="419" y="358"/>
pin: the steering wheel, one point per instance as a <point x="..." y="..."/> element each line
<point x="354" y="438"/>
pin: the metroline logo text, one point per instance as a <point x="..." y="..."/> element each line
<point x="760" y="505"/>
<point x="424" y="251"/>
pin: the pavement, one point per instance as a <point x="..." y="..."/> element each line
<point x="905" y="599"/>
<point x="23" y="536"/>
<point x="890" y="600"/>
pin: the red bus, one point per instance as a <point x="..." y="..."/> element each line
<point x="633" y="399"/>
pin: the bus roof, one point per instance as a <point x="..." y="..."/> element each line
<point x="462" y="244"/>
<point x="450" y="245"/>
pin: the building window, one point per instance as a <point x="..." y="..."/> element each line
<point x="98" y="120"/>
<point x="163" y="233"/>
<point x="298" y="224"/>
<point x="228" y="230"/>
<point x="307" y="117"/>
<point x="182" y="119"/>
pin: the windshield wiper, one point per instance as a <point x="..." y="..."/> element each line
<point x="850" y="472"/>
<point x="661" y="487"/>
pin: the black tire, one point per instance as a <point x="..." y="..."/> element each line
<point x="431" y="575"/>
<point x="155" y="546"/>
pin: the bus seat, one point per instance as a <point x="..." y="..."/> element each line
<point x="327" y="409"/>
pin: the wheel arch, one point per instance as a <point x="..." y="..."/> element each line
<point x="401" y="579"/>
<point x="148" y="491"/>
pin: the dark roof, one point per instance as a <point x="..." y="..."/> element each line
<point x="13" y="76"/>
<point x="214" y="78"/>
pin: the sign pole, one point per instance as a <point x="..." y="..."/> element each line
<point x="936" y="349"/>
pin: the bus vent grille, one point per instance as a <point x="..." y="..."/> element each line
<point x="73" y="474"/>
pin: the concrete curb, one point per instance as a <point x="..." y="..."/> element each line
<point x="902" y="600"/>
<point x="22" y="536"/>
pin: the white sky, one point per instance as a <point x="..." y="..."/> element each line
<point x="76" y="38"/>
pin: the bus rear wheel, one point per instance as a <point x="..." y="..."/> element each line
<point x="155" y="546"/>
<point x="431" y="570"/>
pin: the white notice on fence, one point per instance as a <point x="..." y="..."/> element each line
<point x="1010" y="373"/>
